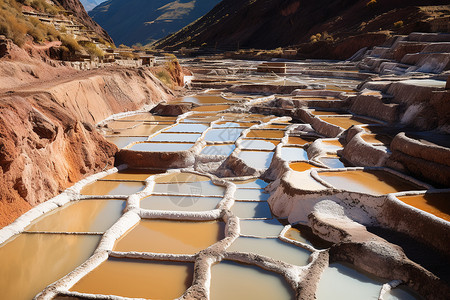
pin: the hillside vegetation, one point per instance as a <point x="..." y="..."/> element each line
<point x="20" y="28"/>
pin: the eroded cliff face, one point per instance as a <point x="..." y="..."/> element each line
<point x="47" y="136"/>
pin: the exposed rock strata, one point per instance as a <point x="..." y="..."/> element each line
<point x="47" y="135"/>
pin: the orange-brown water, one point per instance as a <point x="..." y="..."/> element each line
<point x="163" y="236"/>
<point x="82" y="216"/>
<point x="138" y="279"/>
<point x="294" y="140"/>
<point x="326" y="113"/>
<point x="100" y="187"/>
<point x="123" y="141"/>
<point x="211" y="108"/>
<point x="205" y="99"/>
<point x="301" y="166"/>
<point x="180" y="177"/>
<point x="276" y="126"/>
<point x="346" y="122"/>
<point x="296" y="235"/>
<point x="437" y="204"/>
<point x="148" y="117"/>
<point x="30" y="262"/>
<point x="230" y="280"/>
<point x="250" y="184"/>
<point x="375" y="182"/>
<point x="142" y="130"/>
<point x="274" y="134"/>
<point x="133" y="174"/>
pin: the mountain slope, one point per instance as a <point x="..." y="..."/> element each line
<point x="141" y="21"/>
<point x="90" y="4"/>
<point x="267" y="24"/>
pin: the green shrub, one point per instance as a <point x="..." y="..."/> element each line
<point x="164" y="77"/>
<point x="70" y="43"/>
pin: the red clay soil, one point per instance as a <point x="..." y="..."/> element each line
<point x="48" y="139"/>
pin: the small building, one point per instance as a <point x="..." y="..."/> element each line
<point x="148" y="60"/>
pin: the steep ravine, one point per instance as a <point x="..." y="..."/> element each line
<point x="47" y="136"/>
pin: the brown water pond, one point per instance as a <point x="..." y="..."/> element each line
<point x="106" y="187"/>
<point x="376" y="182"/>
<point x="138" y="278"/>
<point x="231" y="280"/>
<point x="437" y="204"/>
<point x="24" y="258"/>
<point x="93" y="215"/>
<point x="164" y="236"/>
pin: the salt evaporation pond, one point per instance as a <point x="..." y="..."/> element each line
<point x="434" y="203"/>
<point x="137" y="278"/>
<point x="374" y="182"/>
<point x="107" y="187"/>
<point x="226" y="149"/>
<point x="249" y="210"/>
<point x="256" y="159"/>
<point x="161" y="147"/>
<point x="339" y="281"/>
<point x="180" y="203"/>
<point x="250" y="194"/>
<point x="231" y="280"/>
<point x="28" y="261"/>
<point x="93" y="215"/>
<point x="273" y="248"/>
<point x="164" y="236"/>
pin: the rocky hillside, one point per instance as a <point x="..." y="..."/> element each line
<point x="268" y="24"/>
<point x="48" y="115"/>
<point x="137" y="21"/>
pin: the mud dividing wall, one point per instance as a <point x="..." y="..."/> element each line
<point x="47" y="136"/>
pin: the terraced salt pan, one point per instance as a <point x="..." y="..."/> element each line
<point x="180" y="177"/>
<point x="147" y="117"/>
<point x="223" y="135"/>
<point x="250" y="194"/>
<point x="229" y="124"/>
<point x="28" y="261"/>
<point x="175" y="137"/>
<point x="261" y="228"/>
<point x="250" y="184"/>
<point x="293" y="140"/>
<point x="180" y="203"/>
<point x="164" y="236"/>
<point x="232" y="280"/>
<point x="137" y="278"/>
<point x="332" y="145"/>
<point x="226" y="149"/>
<point x="161" y="147"/>
<point x="339" y="281"/>
<point x="273" y="248"/>
<point x="301" y="166"/>
<point x="192" y="128"/>
<point x="258" y="144"/>
<point x="216" y="108"/>
<point x="133" y="174"/>
<point x="264" y="134"/>
<point x="123" y="141"/>
<point x="256" y="159"/>
<point x="293" y="154"/>
<point x="346" y="122"/>
<point x="296" y="235"/>
<point x="93" y="215"/>
<point x="327" y="113"/>
<point x="102" y="187"/>
<point x="142" y="130"/>
<point x="205" y="99"/>
<point x="332" y="162"/>
<point x="434" y="203"/>
<point x="374" y="182"/>
<point x="206" y="188"/>
<point x="251" y="210"/>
